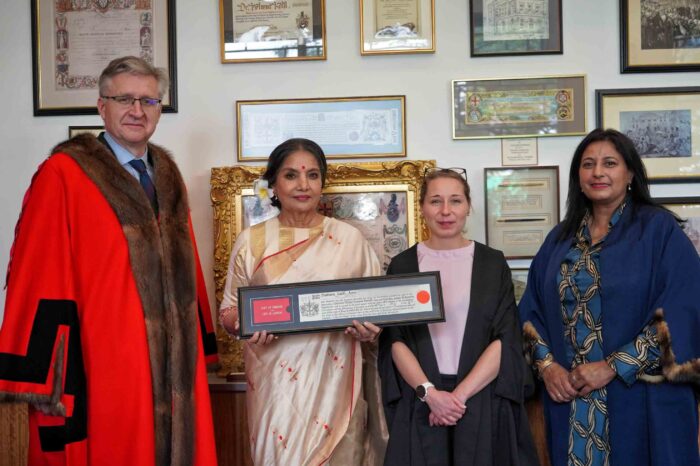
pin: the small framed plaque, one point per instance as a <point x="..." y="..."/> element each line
<point x="522" y="206"/>
<point x="334" y="304"/>
<point x="518" y="152"/>
<point x="76" y="130"/>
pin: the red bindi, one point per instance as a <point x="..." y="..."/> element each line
<point x="303" y="167"/>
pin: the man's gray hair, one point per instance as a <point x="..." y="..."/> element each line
<point x="135" y="66"/>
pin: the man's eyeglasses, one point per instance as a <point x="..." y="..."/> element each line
<point x="460" y="171"/>
<point x="128" y="101"/>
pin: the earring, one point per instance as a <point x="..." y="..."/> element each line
<point x="629" y="187"/>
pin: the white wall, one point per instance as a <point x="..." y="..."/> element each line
<point x="202" y="134"/>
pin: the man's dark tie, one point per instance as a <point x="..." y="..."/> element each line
<point x="146" y="182"/>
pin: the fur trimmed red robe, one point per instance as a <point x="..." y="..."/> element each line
<point x="101" y="333"/>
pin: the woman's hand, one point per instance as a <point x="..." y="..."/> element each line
<point x="445" y="408"/>
<point x="363" y="332"/>
<point x="228" y="318"/>
<point x="591" y="376"/>
<point x="262" y="338"/>
<point x="556" y="381"/>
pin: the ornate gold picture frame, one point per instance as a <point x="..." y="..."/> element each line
<point x="383" y="187"/>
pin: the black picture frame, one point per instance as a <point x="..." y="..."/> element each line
<point x="80" y="102"/>
<point x="284" y="303"/>
<point x="481" y="46"/>
<point x="611" y="104"/>
<point x="653" y="53"/>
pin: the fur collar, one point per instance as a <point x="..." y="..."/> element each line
<point x="162" y="262"/>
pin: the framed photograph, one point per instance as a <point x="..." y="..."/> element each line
<point x="75" y="130"/>
<point x="73" y="41"/>
<point x="522" y="206"/>
<point x="664" y="125"/>
<point x="378" y="198"/>
<point x="687" y="208"/>
<point x="659" y="36"/>
<point x="272" y="30"/>
<point x="334" y="304"/>
<point x="498" y="27"/>
<point x="519" y="277"/>
<point x="397" y="26"/>
<point x="349" y="127"/>
<point x="518" y="152"/>
<point x="519" y="107"/>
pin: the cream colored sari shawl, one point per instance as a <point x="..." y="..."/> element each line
<point x="306" y="394"/>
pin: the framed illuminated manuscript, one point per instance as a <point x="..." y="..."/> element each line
<point x="663" y="123"/>
<point x="347" y="127"/>
<point x="272" y="30"/>
<point x="73" y="41"/>
<point x="378" y="198"/>
<point x="522" y="206"/>
<point x="531" y="27"/>
<point x="519" y="107"/>
<point x="397" y="26"/>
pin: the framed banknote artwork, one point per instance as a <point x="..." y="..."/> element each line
<point x="277" y="30"/>
<point x="659" y="36"/>
<point x="397" y="26"/>
<point x="73" y="41"/>
<point x="663" y="123"/>
<point x="346" y="127"/>
<point x="380" y="199"/>
<point x="519" y="107"/>
<point x="526" y="27"/>
<point x="522" y="206"/>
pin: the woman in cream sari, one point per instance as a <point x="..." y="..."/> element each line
<point x="311" y="399"/>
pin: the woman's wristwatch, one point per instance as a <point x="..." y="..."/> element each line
<point x="422" y="390"/>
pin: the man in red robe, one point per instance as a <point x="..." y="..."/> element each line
<point x="101" y="332"/>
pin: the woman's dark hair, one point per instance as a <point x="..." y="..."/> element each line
<point x="443" y="173"/>
<point x="288" y="147"/>
<point x="577" y="203"/>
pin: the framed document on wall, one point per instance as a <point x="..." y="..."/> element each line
<point x="522" y="206"/>
<point x="345" y="127"/>
<point x="277" y="30"/>
<point x="501" y="27"/>
<point x="73" y="41"/>
<point x="519" y="107"/>
<point x="659" y="36"/>
<point x="687" y="208"/>
<point x="397" y="26"/>
<point x="663" y="123"/>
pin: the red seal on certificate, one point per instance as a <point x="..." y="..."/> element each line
<point x="423" y="297"/>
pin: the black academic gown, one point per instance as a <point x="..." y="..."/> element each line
<point x="494" y="430"/>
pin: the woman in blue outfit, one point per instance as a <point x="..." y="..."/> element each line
<point x="611" y="318"/>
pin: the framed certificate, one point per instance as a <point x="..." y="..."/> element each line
<point x="378" y="198"/>
<point x="663" y="123"/>
<point x="334" y="304"/>
<point x="659" y="36"/>
<point x="272" y="30"/>
<point x="687" y="208"/>
<point x="522" y="206"/>
<point x="349" y="127"/>
<point x="73" y="41"/>
<point x="519" y="107"/>
<point x="522" y="28"/>
<point x="397" y="26"/>
<point x="94" y="130"/>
